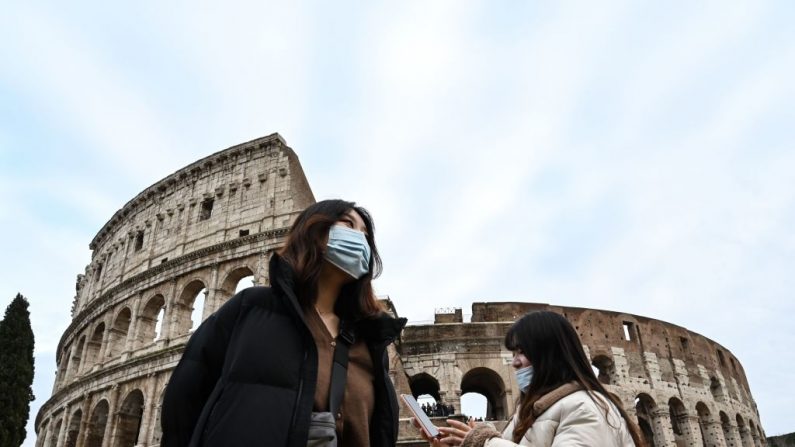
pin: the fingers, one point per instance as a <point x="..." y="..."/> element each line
<point x="458" y="425"/>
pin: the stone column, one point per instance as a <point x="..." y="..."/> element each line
<point x="103" y="352"/>
<point x="755" y="436"/>
<point x="212" y="298"/>
<point x="110" y="425"/>
<point x="731" y="435"/>
<point x="690" y="429"/>
<point x="150" y="407"/>
<point x="745" y="435"/>
<point x="166" y="330"/>
<point x="661" y="425"/>
<point x="64" y="426"/>
<point x="130" y="340"/>
<point x="713" y="434"/>
<point x="84" y="423"/>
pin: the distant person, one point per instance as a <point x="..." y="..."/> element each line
<point x="259" y="370"/>
<point x="561" y="401"/>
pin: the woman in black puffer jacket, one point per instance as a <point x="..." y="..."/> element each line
<point x="256" y="369"/>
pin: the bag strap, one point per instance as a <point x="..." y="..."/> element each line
<point x="339" y="372"/>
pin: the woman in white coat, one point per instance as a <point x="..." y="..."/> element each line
<point x="562" y="403"/>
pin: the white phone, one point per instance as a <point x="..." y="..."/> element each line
<point x="420" y="415"/>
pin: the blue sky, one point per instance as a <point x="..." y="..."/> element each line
<point x="628" y="156"/>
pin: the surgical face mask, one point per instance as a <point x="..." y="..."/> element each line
<point x="523" y="377"/>
<point x="348" y="249"/>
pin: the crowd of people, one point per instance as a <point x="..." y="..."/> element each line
<point x="437" y="409"/>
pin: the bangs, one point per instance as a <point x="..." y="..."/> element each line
<point x="510" y="340"/>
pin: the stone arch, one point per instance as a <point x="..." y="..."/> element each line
<point x="128" y="419"/>
<point x="94" y="346"/>
<point x="118" y="332"/>
<point x="52" y="438"/>
<point x="232" y="280"/>
<point x="487" y="382"/>
<point x="678" y="415"/>
<point x="74" y="428"/>
<point x="187" y="320"/>
<point x="710" y="432"/>
<point x="745" y="434"/>
<point x="716" y="388"/>
<point x="63" y="368"/>
<point x="150" y="319"/>
<point x="424" y="383"/>
<point x="44" y="427"/>
<point x="644" y="409"/>
<point x="605" y="369"/>
<point x="95" y="431"/>
<point x="753" y="432"/>
<point x="77" y="356"/>
<point x="728" y="431"/>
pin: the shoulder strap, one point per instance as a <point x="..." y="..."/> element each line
<point x="339" y="371"/>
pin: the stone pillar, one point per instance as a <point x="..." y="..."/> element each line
<point x="104" y="350"/>
<point x="84" y="423"/>
<point x="166" y="330"/>
<point x="755" y="436"/>
<point x="64" y="427"/>
<point x="129" y="342"/>
<point x="690" y="429"/>
<point x="110" y="425"/>
<point x="212" y="298"/>
<point x="731" y="435"/>
<point x="150" y="408"/>
<point x="661" y="425"/>
<point x="713" y="434"/>
<point x="745" y="435"/>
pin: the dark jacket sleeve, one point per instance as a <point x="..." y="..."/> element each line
<point x="196" y="374"/>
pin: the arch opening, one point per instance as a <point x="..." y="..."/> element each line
<point x="55" y="434"/>
<point x="716" y="389"/>
<point x="118" y="333"/>
<point x="74" y="429"/>
<point x="95" y="432"/>
<point x="190" y="307"/>
<point x="425" y="386"/>
<point x="128" y="421"/>
<point x="474" y="405"/>
<point x="94" y="346"/>
<point x="488" y="383"/>
<point x="604" y="369"/>
<point x="77" y="356"/>
<point x="150" y="320"/>
<point x="678" y="416"/>
<point x="237" y="280"/>
<point x="644" y="405"/>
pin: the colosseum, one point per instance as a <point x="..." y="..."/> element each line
<point x="178" y="250"/>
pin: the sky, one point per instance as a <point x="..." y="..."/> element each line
<point x="621" y="155"/>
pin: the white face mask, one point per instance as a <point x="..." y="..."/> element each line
<point x="348" y="249"/>
<point x="524" y="376"/>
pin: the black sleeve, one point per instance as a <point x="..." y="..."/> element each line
<point x="196" y="374"/>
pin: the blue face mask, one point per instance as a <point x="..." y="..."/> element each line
<point x="524" y="376"/>
<point x="348" y="249"/>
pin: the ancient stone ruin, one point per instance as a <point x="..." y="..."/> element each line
<point x="178" y="250"/>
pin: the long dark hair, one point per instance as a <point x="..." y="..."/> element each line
<point x="304" y="251"/>
<point x="552" y="346"/>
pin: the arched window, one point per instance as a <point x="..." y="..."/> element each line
<point x="95" y="432"/>
<point x="74" y="429"/>
<point x="55" y="434"/>
<point x="644" y="406"/>
<point x="488" y="383"/>
<point x="237" y="280"/>
<point x="423" y="384"/>
<point x="94" y="346"/>
<point x="604" y="369"/>
<point x="678" y="416"/>
<point x="128" y="421"/>
<point x="190" y="308"/>
<point x="716" y="389"/>
<point x="118" y="333"/>
<point x="149" y="321"/>
<point x="77" y="355"/>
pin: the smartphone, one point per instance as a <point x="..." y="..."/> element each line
<point x="420" y="415"/>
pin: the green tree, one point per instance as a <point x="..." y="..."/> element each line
<point x="16" y="372"/>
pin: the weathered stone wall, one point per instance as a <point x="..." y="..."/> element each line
<point x="160" y="253"/>
<point x="684" y="389"/>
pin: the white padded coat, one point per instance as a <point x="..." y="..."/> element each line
<point x="573" y="421"/>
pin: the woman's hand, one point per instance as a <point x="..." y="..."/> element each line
<point x="452" y="435"/>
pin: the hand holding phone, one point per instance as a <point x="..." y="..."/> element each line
<point x="420" y="415"/>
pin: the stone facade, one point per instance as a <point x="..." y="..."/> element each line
<point x="683" y="388"/>
<point x="176" y="252"/>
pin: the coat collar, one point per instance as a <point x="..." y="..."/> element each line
<point x="382" y="328"/>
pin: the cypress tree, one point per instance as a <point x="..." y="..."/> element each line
<point x="16" y="372"/>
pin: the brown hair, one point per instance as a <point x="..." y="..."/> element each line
<point x="551" y="344"/>
<point x="304" y="252"/>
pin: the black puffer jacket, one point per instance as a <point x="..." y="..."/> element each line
<point x="247" y="377"/>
